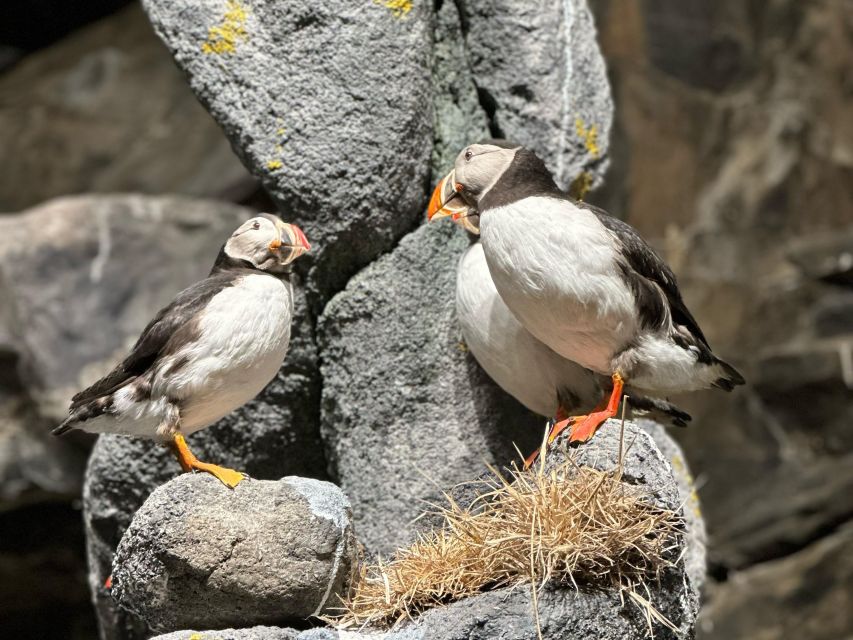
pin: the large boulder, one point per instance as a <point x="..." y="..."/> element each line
<point x="542" y="81"/>
<point x="563" y="611"/>
<point x="198" y="553"/>
<point x="328" y="104"/>
<point x="402" y="397"/>
<point x="105" y="110"/>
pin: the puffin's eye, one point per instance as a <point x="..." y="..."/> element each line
<point x="256" y="226"/>
<point x="469" y="154"/>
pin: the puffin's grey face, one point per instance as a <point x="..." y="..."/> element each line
<point x="478" y="167"/>
<point x="267" y="243"/>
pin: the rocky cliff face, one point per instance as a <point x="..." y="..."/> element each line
<point x="730" y="149"/>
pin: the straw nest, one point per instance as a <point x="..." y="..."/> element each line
<point x="574" y="525"/>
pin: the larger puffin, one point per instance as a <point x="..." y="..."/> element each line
<point x="542" y="380"/>
<point x="211" y="350"/>
<point x="582" y="282"/>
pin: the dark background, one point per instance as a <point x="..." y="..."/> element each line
<point x="732" y="153"/>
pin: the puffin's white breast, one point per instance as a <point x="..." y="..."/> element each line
<point x="519" y="363"/>
<point x="243" y="335"/>
<point x="555" y="266"/>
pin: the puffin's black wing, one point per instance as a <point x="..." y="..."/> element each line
<point x="644" y="261"/>
<point x="173" y="327"/>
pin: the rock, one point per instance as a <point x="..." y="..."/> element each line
<point x="401" y="396"/>
<point x="263" y="552"/>
<point x="105" y="110"/>
<point x="808" y="591"/>
<point x="252" y="633"/>
<point x="338" y="132"/>
<point x="695" y="559"/>
<point x="458" y="117"/>
<point x="564" y="612"/>
<point x="542" y="81"/>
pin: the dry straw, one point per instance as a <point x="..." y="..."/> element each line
<point x="572" y="525"/>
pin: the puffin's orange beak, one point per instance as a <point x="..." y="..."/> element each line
<point x="291" y="238"/>
<point x="446" y="201"/>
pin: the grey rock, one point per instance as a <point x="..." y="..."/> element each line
<point x="543" y="81"/>
<point x="263" y="552"/>
<point x="338" y="132"/>
<point x="695" y="559"/>
<point x="458" y="117"/>
<point x="401" y="396"/>
<point x="807" y="592"/>
<point x="563" y="611"/>
<point x="105" y="110"/>
<point x="251" y="633"/>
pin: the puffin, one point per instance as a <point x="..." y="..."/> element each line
<point x="208" y="352"/>
<point x="582" y="282"/>
<point x="540" y="379"/>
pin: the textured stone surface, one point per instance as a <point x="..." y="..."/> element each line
<point x="260" y="553"/>
<point x="401" y="397"/>
<point x="327" y="103"/>
<point x="563" y="612"/>
<point x="542" y="80"/>
<point x="459" y="118"/>
<point x="804" y="595"/>
<point x="695" y="559"/>
<point x="105" y="110"/>
<point x="251" y="633"/>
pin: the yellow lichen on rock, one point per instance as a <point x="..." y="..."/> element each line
<point x="223" y="38"/>
<point x="589" y="135"/>
<point x="581" y="185"/>
<point x="397" y="7"/>
<point x="274" y="164"/>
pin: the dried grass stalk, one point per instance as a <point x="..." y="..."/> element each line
<point x="575" y="525"/>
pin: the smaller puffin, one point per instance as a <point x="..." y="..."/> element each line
<point x="540" y="379"/>
<point x="208" y="352"/>
<point x="582" y="282"/>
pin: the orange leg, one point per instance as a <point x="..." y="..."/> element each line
<point x="586" y="429"/>
<point x="560" y="422"/>
<point x="189" y="462"/>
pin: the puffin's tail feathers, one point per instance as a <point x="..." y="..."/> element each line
<point x="660" y="410"/>
<point x="731" y="377"/>
<point x="69" y="424"/>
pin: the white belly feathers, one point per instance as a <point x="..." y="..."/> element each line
<point x="554" y="265"/>
<point x="244" y="333"/>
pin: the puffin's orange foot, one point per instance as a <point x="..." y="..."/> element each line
<point x="228" y="477"/>
<point x="556" y="429"/>
<point x="584" y="430"/>
<point x="189" y="462"/>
